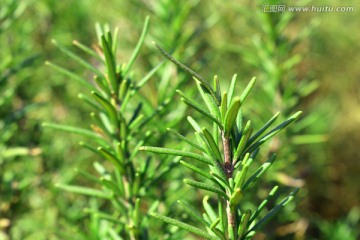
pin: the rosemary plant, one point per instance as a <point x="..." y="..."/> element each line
<point x="227" y="151"/>
<point x="120" y="116"/>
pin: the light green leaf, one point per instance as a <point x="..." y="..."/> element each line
<point x="244" y="223"/>
<point x="176" y="153"/>
<point x="274" y="131"/>
<point x="185" y="226"/>
<point x="206" y="187"/>
<point x="110" y="63"/>
<point x="189" y="71"/>
<point x="247" y="89"/>
<point x="263" y="128"/>
<point x="261" y="170"/>
<point x="109" y="156"/>
<point x="209" y="100"/>
<point x="264" y="203"/>
<point x="109" y="108"/>
<point x="76" y="58"/>
<point x="231" y="115"/>
<point x="243" y="141"/>
<point x="85" y="191"/>
<point x="192" y="212"/>
<point x="192" y="103"/>
<point x="274" y="211"/>
<point x="231" y="89"/>
<point x="71" y="75"/>
<point x="138" y="46"/>
<point x="183" y="138"/>
<point x="75" y="130"/>
<point x="196" y="169"/>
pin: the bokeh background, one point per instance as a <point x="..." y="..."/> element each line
<point x="214" y="37"/>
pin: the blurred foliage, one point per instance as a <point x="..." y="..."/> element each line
<point x="32" y="208"/>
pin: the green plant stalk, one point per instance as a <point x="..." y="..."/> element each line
<point x="225" y="119"/>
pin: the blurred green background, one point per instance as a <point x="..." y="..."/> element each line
<point x="33" y="160"/>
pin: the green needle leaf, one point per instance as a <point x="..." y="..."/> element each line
<point x="244" y="223"/>
<point x="247" y="90"/>
<point x="176" y="153"/>
<point x="262" y="169"/>
<point x="264" y="203"/>
<point x="206" y="187"/>
<point x="75" y="130"/>
<point x="188" y="70"/>
<point x="71" y="75"/>
<point x="274" y="211"/>
<point x="192" y="212"/>
<point x="209" y="100"/>
<point x="138" y="46"/>
<point x="212" y="145"/>
<point x="231" y="115"/>
<point x="76" y="58"/>
<point x="181" y="137"/>
<point x="110" y="64"/>
<point x="184" y="226"/>
<point x="192" y="103"/>
<point x="85" y="191"/>
<point x="231" y="89"/>
<point x="109" y="156"/>
<point x="263" y="128"/>
<point x="274" y="131"/>
<point x="108" y="107"/>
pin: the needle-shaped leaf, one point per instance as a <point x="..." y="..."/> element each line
<point x="111" y="158"/>
<point x="223" y="106"/>
<point x="111" y="185"/>
<point x="192" y="103"/>
<point x="192" y="212"/>
<point x="138" y="46"/>
<point x="194" y="124"/>
<point x="188" y="70"/>
<point x="209" y="100"/>
<point x="217" y="88"/>
<point x="247" y="89"/>
<point x="109" y="108"/>
<point x="196" y="169"/>
<point x="274" y="211"/>
<point x="75" y="130"/>
<point x="231" y="89"/>
<point x="176" y="153"/>
<point x="274" y="131"/>
<point x="76" y="58"/>
<point x="209" y="209"/>
<point x="144" y="80"/>
<point x="263" y="128"/>
<point x="216" y="165"/>
<point x="212" y="145"/>
<point x="231" y="115"/>
<point x="88" y="50"/>
<point x="244" y="223"/>
<point x="71" y="75"/>
<point x="236" y="197"/>
<point x="243" y="141"/>
<point x="110" y="64"/>
<point x="206" y="187"/>
<point x="185" y="226"/>
<point x="102" y="84"/>
<point x="258" y="173"/>
<point x="188" y="141"/>
<point x="85" y="191"/>
<point x="264" y="203"/>
<point x="89" y="101"/>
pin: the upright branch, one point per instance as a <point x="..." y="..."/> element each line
<point x="227" y="176"/>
